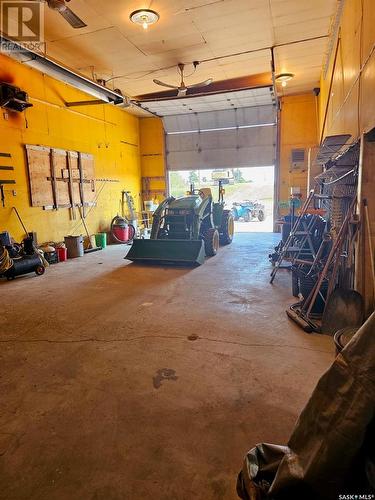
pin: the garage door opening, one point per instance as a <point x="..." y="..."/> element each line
<point x="249" y="193"/>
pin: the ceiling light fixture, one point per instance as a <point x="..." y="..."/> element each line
<point x="283" y="78"/>
<point x="144" y="17"/>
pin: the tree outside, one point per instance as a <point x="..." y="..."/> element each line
<point x="193" y="177"/>
<point x="237" y="175"/>
<point x="178" y="184"/>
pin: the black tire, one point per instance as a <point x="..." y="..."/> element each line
<point x="40" y="270"/>
<point x="261" y="216"/>
<point x="247" y="217"/>
<point x="234" y="214"/>
<point x="226" y="228"/>
<point x="211" y="241"/>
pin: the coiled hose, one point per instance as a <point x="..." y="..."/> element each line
<point x="5" y="261"/>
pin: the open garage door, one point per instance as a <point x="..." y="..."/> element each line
<point x="231" y="138"/>
<point x="228" y="130"/>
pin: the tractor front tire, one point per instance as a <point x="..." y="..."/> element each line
<point x="226" y="228"/>
<point x="261" y="216"/>
<point x="211" y="241"/>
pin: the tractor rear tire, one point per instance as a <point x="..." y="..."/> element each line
<point x="226" y="228"/>
<point x="211" y="241"/>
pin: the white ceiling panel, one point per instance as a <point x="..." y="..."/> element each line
<point x="111" y="45"/>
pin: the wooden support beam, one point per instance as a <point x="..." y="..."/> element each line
<point x="366" y="190"/>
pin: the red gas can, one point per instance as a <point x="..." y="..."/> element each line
<point x="62" y="254"/>
<point x="121" y="233"/>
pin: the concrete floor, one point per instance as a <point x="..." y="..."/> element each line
<point x="254" y="226"/>
<point x="104" y="397"/>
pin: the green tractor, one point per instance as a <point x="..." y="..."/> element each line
<point x="186" y="229"/>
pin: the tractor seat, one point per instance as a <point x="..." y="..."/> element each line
<point x="205" y="193"/>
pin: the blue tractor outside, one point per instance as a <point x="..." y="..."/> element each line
<point x="248" y="210"/>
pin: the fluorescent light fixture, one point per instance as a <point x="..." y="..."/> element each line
<point x="60" y="72"/>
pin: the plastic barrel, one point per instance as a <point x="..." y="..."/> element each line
<point x="74" y="245"/>
<point x="101" y="240"/>
<point x="306" y="284"/>
<point x="62" y="254"/>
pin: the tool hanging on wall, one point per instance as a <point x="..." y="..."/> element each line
<point x="5" y="168"/>
<point x="127" y="198"/>
<point x="19" y="218"/>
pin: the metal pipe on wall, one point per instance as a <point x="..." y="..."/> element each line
<point x="276" y="196"/>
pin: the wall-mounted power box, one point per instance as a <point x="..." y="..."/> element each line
<point x="298" y="160"/>
<point x="13" y="98"/>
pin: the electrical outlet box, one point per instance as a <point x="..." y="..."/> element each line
<point x="298" y="160"/>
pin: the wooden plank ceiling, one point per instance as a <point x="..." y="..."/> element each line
<point x="189" y="30"/>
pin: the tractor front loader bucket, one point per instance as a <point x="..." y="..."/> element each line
<point x="167" y="252"/>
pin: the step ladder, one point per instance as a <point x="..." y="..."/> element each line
<point x="299" y="243"/>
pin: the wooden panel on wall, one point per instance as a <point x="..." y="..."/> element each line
<point x="367" y="96"/>
<point x="364" y="283"/>
<point x="87" y="162"/>
<point x="60" y="178"/>
<point x="368" y="37"/>
<point x="351" y="99"/>
<point x="73" y="175"/>
<point x="38" y="159"/>
<point x="60" y="168"/>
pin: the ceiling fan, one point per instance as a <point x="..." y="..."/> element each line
<point x="69" y="16"/>
<point x="182" y="88"/>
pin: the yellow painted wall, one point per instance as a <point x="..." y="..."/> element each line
<point x="351" y="103"/>
<point x="107" y="132"/>
<point x="153" y="152"/>
<point x="298" y="129"/>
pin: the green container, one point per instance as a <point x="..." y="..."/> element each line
<point x="101" y="240"/>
